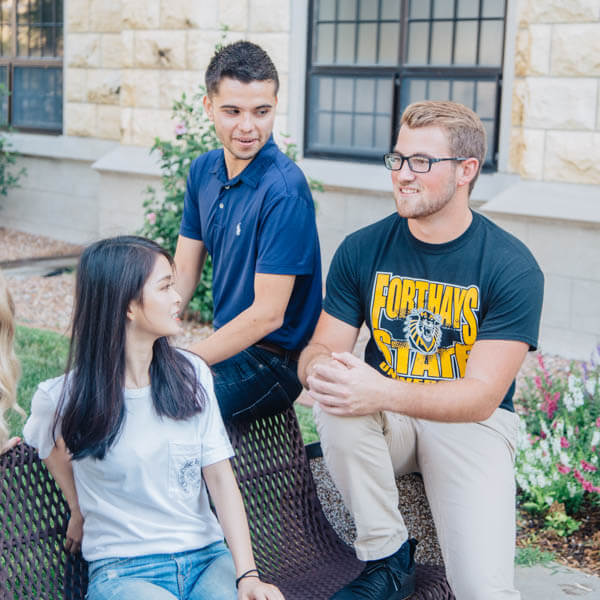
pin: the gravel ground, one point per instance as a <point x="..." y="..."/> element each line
<point x="17" y="245"/>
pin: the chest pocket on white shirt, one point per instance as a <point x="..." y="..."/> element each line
<point x="185" y="470"/>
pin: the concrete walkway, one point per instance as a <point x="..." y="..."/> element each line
<point x="556" y="582"/>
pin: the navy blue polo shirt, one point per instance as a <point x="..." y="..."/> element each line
<point x="261" y="221"/>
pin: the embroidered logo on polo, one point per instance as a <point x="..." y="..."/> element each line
<point x="423" y="329"/>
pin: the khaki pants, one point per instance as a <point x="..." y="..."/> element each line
<point x="468" y="473"/>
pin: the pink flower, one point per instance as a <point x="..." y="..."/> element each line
<point x="587" y="486"/>
<point x="578" y="476"/>
<point x="543" y="435"/>
<point x="538" y="382"/>
<point x="151" y="218"/>
<point x="564" y="442"/>
<point x="563" y="468"/>
<point x="180" y="129"/>
<point x="586" y="466"/>
<point x="598" y="422"/>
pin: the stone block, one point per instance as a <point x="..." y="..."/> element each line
<point x="83" y="50"/>
<point x="585" y="317"/>
<point x="141" y="14"/>
<point x="234" y="14"/>
<point x="566" y="250"/>
<point x="140" y="87"/>
<point x="127" y="44"/>
<point x="108" y="123"/>
<point x="520" y="95"/>
<point x="183" y="14"/>
<point x="276" y="46"/>
<point x="526" y="155"/>
<point x="269" y="15"/>
<point x="160" y="49"/>
<point x="556" y="311"/>
<point x="147" y="124"/>
<point x="533" y="51"/>
<point x="103" y="86"/>
<point x="200" y="48"/>
<point x="113" y="50"/>
<point x="557" y="11"/>
<point x="126" y="126"/>
<point x="77" y="16"/>
<point x="76" y="85"/>
<point x="174" y="83"/>
<point x="572" y="156"/>
<point x="80" y="119"/>
<point x="560" y="103"/>
<point x="105" y="15"/>
<point x="576" y="50"/>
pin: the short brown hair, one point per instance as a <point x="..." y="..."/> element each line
<point x="466" y="134"/>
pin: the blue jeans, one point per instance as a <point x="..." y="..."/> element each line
<point x="255" y="383"/>
<point x="205" y="574"/>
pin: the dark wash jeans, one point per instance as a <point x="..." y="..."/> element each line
<point x="255" y="383"/>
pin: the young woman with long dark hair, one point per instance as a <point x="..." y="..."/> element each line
<point x="133" y="435"/>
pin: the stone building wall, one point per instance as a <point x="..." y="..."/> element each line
<point x="556" y="101"/>
<point x="126" y="61"/>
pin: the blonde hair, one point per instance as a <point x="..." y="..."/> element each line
<point x="9" y="365"/>
<point x="466" y="134"/>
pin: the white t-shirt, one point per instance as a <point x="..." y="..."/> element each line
<point x="147" y="495"/>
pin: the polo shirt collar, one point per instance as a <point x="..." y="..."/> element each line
<point x="254" y="172"/>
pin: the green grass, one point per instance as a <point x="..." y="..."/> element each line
<point x="532" y="555"/>
<point x="43" y="355"/>
<point x="307" y="424"/>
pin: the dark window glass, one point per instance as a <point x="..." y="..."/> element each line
<point x="370" y="58"/>
<point x="31" y="51"/>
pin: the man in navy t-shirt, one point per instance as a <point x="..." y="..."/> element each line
<point x="453" y="304"/>
<point x="250" y="207"/>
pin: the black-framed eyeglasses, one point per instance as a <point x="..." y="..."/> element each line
<point x="417" y="163"/>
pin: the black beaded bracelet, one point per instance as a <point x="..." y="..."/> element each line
<point x="244" y="575"/>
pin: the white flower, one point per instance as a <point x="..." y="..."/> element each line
<point x="575" y="390"/>
<point x="549" y="500"/>
<point x="590" y="386"/>
<point x="595" y="438"/>
<point x="563" y="457"/>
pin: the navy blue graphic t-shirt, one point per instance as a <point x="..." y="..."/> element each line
<point x="427" y="304"/>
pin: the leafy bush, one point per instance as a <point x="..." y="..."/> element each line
<point x="9" y="177"/>
<point x="195" y="135"/>
<point x="559" y="442"/>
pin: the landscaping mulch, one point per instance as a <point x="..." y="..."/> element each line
<point x="580" y="550"/>
<point x="46" y="303"/>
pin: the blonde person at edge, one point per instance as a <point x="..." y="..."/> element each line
<point x="9" y="365"/>
<point x="453" y="305"/>
<point x="133" y="435"/>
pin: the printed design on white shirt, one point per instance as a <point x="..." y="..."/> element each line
<point x="190" y="475"/>
<point x="185" y="470"/>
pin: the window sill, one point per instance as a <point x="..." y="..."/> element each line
<point x="61" y="146"/>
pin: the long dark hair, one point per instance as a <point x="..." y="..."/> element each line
<point x="111" y="274"/>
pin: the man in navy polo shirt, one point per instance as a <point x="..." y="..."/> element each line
<point x="250" y="207"/>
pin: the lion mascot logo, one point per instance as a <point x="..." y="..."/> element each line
<point x="423" y="330"/>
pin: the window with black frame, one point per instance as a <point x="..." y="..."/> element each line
<point x="31" y="64"/>
<point x="369" y="59"/>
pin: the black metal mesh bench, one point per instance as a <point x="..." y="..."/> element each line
<point x="294" y="545"/>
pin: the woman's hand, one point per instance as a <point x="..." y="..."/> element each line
<point x="252" y="588"/>
<point x="74" y="532"/>
<point x="10" y="444"/>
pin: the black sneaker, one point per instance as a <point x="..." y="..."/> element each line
<point x="391" y="578"/>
